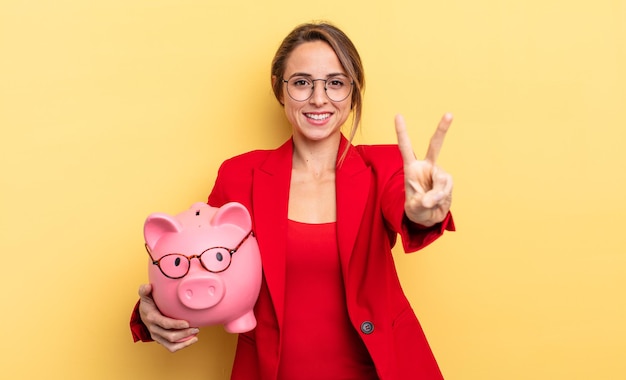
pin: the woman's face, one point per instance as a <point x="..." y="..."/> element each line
<point x="318" y="117"/>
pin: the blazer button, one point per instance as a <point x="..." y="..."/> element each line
<point x="367" y="327"/>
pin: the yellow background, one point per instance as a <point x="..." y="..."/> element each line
<point x="111" y="110"/>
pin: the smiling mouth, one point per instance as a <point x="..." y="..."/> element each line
<point x="317" y="116"/>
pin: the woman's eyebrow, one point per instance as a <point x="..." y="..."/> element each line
<point x="311" y="76"/>
<point x="300" y="75"/>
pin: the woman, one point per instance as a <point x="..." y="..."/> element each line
<point x="326" y="214"/>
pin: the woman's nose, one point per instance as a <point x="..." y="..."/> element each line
<point x="319" y="93"/>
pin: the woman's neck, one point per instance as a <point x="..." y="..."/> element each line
<point x="312" y="190"/>
<point x="315" y="157"/>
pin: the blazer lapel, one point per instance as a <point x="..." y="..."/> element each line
<point x="352" y="178"/>
<point x="270" y="199"/>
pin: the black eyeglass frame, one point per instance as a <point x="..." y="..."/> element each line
<point x="199" y="257"/>
<point x="286" y="81"/>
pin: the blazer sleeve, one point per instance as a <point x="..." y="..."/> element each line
<point x="229" y="176"/>
<point x="137" y="328"/>
<point x="414" y="236"/>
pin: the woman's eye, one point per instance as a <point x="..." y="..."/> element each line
<point x="301" y="83"/>
<point x="336" y="83"/>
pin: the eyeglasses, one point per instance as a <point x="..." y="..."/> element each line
<point x="214" y="259"/>
<point x="300" y="88"/>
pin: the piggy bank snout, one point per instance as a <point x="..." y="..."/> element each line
<point x="201" y="292"/>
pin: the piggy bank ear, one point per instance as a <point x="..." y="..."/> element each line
<point x="158" y="224"/>
<point x="233" y="213"/>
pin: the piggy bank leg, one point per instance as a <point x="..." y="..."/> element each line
<point x="242" y="324"/>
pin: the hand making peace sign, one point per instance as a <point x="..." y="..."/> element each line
<point x="428" y="189"/>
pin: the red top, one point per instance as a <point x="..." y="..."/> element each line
<point x="319" y="341"/>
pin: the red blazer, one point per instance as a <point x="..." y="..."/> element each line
<point x="370" y="214"/>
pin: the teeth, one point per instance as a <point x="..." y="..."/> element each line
<point x="318" y="116"/>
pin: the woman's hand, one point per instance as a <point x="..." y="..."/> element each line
<point x="173" y="334"/>
<point x="428" y="189"/>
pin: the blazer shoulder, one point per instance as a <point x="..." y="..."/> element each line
<point x="258" y="158"/>
<point x="250" y="157"/>
<point x="380" y="155"/>
<point x="247" y="160"/>
<point x="234" y="178"/>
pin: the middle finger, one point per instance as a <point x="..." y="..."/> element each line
<point x="436" y="141"/>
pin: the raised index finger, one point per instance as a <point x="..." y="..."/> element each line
<point x="404" y="143"/>
<point x="436" y="141"/>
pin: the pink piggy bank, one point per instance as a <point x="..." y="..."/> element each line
<point x="205" y="265"/>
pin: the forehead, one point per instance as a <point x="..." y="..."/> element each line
<point x="314" y="58"/>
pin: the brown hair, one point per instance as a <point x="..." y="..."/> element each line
<point x="343" y="47"/>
